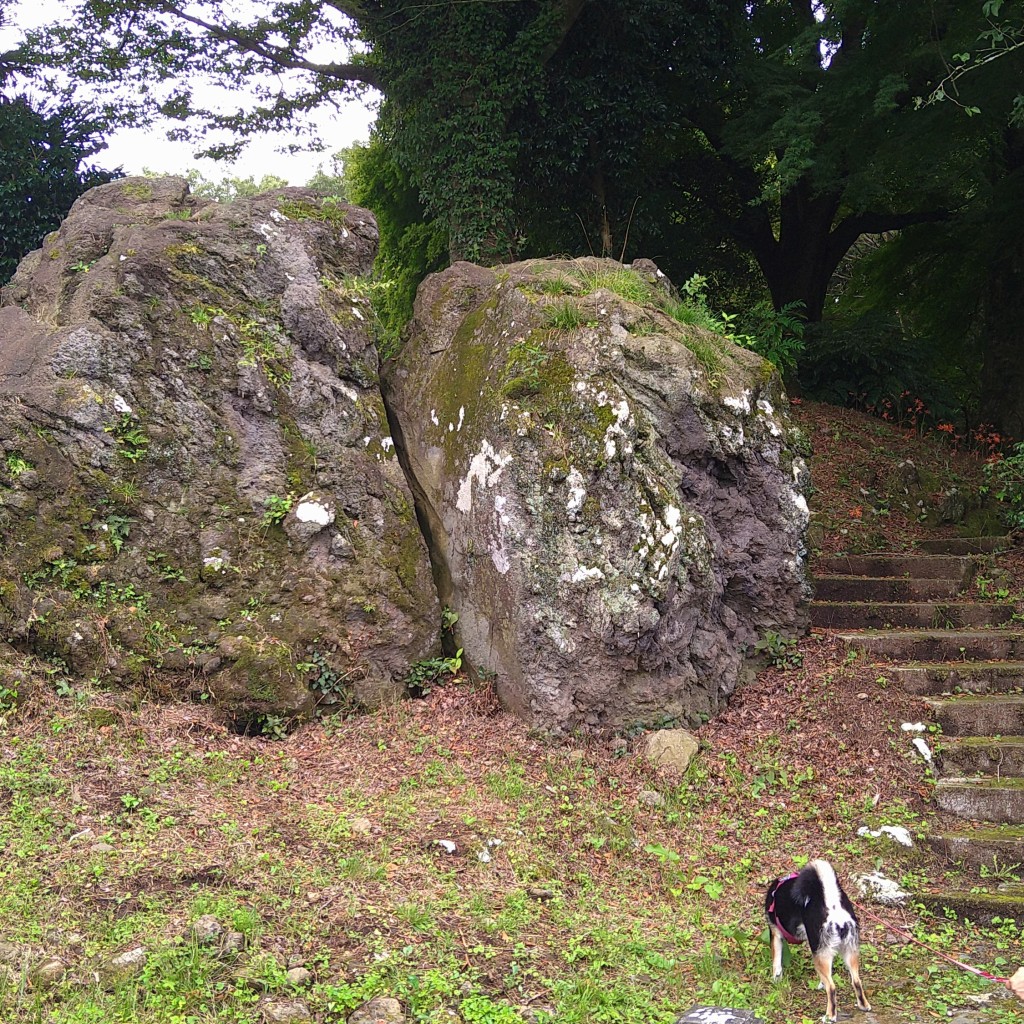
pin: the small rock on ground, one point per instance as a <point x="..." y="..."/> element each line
<point x="206" y="929"/>
<point x="381" y="1010"/>
<point x="671" y="750"/>
<point x="286" y="1011"/>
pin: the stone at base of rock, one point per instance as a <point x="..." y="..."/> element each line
<point x="671" y="750"/>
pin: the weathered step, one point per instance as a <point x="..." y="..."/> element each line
<point x="971" y="676"/>
<point x="883" y="588"/>
<point x="982" y="798"/>
<point x="964" y="545"/>
<point x="930" y="567"/>
<point x="966" y="756"/>
<point x="984" y="714"/>
<point x="939" y="645"/>
<point x="975" y="905"/>
<point x="915" y="615"/>
<point x="995" y="847"/>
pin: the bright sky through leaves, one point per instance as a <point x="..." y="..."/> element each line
<point x="135" y="149"/>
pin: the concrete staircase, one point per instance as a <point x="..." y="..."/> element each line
<point x="966" y="658"/>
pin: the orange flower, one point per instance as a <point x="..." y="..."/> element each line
<point x="856" y="512"/>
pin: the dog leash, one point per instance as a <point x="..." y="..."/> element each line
<point x="935" y="952"/>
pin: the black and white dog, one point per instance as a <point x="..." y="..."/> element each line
<point x="811" y="905"/>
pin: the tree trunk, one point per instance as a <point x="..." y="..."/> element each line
<point x="799" y="264"/>
<point x="1002" y="333"/>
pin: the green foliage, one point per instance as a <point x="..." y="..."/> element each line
<point x="43" y="170"/>
<point x="564" y="316"/>
<point x="1005" y="482"/>
<point x="872" y="364"/>
<point x="428" y="673"/>
<point x="776" y="335"/>
<point x="230" y="188"/>
<point x="17" y="464"/>
<point x="627" y="284"/>
<point x="277" y="508"/>
<point x="410" y="248"/>
<point x="132" y="441"/>
<point x="693" y="308"/>
<point x="781" y="651"/>
<point x="482" y="1010"/>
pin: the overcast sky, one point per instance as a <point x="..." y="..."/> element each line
<point x="134" y="149"/>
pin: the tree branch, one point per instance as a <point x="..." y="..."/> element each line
<point x="279" y="56"/>
<point x="848" y="230"/>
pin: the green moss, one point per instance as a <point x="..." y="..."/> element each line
<point x="178" y="249"/>
<point x="327" y="209"/>
<point x="268" y="669"/>
<point x="137" y="190"/>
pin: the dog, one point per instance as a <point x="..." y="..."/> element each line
<point x="810" y="905"/>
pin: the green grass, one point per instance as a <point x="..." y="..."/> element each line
<point x="564" y="316"/>
<point x="323" y="849"/>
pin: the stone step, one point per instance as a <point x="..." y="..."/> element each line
<point x="999" y="846"/>
<point x="938" y="677"/>
<point x="931" y="567"/>
<point x="979" y="714"/>
<point x="883" y="588"/>
<point x="964" y="545"/>
<point x="916" y="614"/>
<point x="939" y="645"/>
<point x="978" y="905"/>
<point x="965" y="756"/>
<point x="982" y="798"/>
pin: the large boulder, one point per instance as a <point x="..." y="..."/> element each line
<point x="198" y="487"/>
<point x="612" y="499"/>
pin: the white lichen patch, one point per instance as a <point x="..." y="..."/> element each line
<point x="577" y="493"/>
<point x="120" y="405"/>
<point x="582" y="573"/>
<point x="485" y="468"/>
<point x="615" y="434"/>
<point x="314" y="512"/>
<point x="434" y="419"/>
<point x="799" y="503"/>
<point x="739" y="405"/>
<point x="357" y="314"/>
<point x="387" y="443"/>
<point x="462" y="417"/>
<point x="765" y="408"/>
<point x="348" y="392"/>
<point x="278" y="217"/>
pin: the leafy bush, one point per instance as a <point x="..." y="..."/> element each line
<point x="42" y="172"/>
<point x="1005" y="482"/>
<point x="776" y="335"/>
<point x="871" y="364"/>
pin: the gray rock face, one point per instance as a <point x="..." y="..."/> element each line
<point x="196" y="478"/>
<point x="612" y="500"/>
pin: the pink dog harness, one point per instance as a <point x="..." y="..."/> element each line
<point x="773" y="917"/>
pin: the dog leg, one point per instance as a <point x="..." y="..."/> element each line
<point x="823" y="965"/>
<point x="852" y="959"/>
<point x="776" y="952"/>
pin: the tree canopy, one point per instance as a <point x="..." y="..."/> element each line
<point x="720" y="136"/>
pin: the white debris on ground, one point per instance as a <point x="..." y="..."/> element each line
<point x="881" y="889"/>
<point x="897" y="832"/>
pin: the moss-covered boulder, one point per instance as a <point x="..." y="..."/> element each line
<point x="197" y="484"/>
<point x="612" y="499"/>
